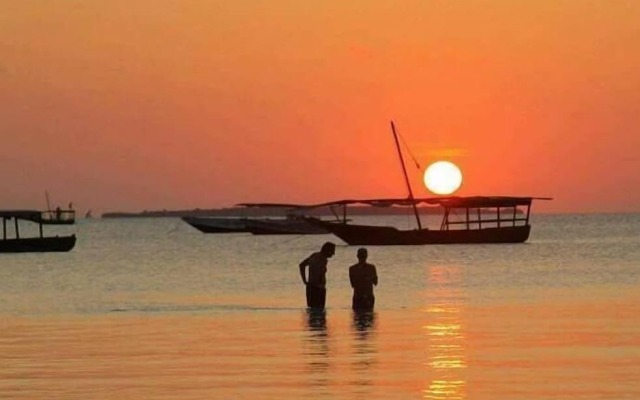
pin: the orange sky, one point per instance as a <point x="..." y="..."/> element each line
<point x="152" y="104"/>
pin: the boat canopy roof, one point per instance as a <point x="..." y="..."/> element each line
<point x="276" y="205"/>
<point x="447" y="202"/>
<point x="484" y="201"/>
<point x="31" y="215"/>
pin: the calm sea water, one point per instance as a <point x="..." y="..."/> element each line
<point x="152" y="308"/>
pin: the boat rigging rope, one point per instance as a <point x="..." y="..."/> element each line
<point x="409" y="150"/>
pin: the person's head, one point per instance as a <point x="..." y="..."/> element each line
<point x="328" y="249"/>
<point x="362" y="254"/>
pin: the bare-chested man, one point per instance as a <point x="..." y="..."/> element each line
<point x="316" y="283"/>
<point x="363" y="277"/>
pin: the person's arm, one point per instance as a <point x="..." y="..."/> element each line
<point x="375" y="276"/>
<point x="351" y="277"/>
<point x="302" y="266"/>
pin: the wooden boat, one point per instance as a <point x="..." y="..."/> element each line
<point x="505" y="225"/>
<point x="217" y="225"/>
<point x="293" y="223"/>
<point x="18" y="244"/>
<point x="58" y="217"/>
<point x="466" y="220"/>
<point x="284" y="226"/>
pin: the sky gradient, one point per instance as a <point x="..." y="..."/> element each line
<point x="158" y="104"/>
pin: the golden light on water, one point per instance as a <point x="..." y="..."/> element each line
<point x="446" y="359"/>
<point x="445" y="389"/>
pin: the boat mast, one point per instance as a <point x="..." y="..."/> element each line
<point x="46" y="196"/>
<point x="406" y="178"/>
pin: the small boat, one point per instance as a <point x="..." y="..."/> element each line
<point x="291" y="225"/>
<point x="217" y="225"/>
<point x="58" y="217"/>
<point x="256" y="226"/>
<point x="41" y="243"/>
<point x="505" y="225"/>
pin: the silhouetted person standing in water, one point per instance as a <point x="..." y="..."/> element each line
<point x="317" y="282"/>
<point x="363" y="276"/>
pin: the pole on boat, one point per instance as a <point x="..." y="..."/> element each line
<point x="406" y="178"/>
<point x="46" y="196"/>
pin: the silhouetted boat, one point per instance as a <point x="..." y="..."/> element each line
<point x="466" y="220"/>
<point x="256" y="226"/>
<point x="472" y="228"/>
<point x="217" y="225"/>
<point x="283" y="226"/>
<point x="293" y="223"/>
<point x="58" y="217"/>
<point x="18" y="244"/>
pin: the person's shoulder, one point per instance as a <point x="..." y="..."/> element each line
<point x="318" y="257"/>
<point x="310" y="258"/>
<point x="371" y="266"/>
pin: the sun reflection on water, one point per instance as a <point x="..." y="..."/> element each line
<point x="446" y="359"/>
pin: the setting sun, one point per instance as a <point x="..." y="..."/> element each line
<point x="443" y="177"/>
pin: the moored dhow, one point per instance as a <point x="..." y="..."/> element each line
<point x="41" y="243"/>
<point x="217" y="225"/>
<point x="293" y="222"/>
<point x="466" y="220"/>
<point x="284" y="226"/>
<point x="58" y="217"/>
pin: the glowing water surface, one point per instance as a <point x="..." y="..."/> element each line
<point x="153" y="309"/>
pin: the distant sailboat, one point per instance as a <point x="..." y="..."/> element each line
<point x="57" y="216"/>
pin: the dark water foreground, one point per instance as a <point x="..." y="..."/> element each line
<point x="150" y="309"/>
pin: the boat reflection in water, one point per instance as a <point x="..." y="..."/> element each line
<point x="446" y="349"/>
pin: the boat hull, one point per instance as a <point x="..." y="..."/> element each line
<point x="284" y="227"/>
<point x="38" y="245"/>
<point x="217" y="225"/>
<point x="60" y="222"/>
<point x="365" y="235"/>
